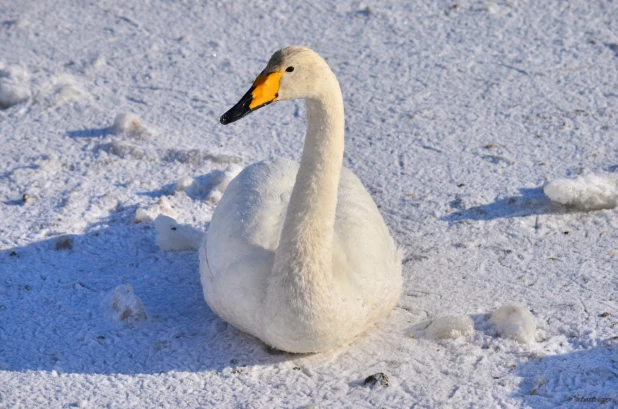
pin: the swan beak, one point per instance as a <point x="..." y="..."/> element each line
<point x="264" y="91"/>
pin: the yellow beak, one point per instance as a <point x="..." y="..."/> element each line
<point x="264" y="91"/>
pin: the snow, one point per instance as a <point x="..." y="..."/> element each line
<point x="450" y="327"/>
<point x="514" y="321"/>
<point x="14" y="85"/>
<point x="456" y="118"/>
<point x="589" y="192"/>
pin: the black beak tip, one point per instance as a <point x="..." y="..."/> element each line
<point x="240" y="110"/>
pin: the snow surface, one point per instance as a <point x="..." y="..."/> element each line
<point x="514" y="321"/>
<point x="458" y="113"/>
<point x="589" y="192"/>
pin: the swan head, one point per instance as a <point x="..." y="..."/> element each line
<point x="292" y="73"/>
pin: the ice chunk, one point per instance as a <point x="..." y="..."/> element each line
<point x="450" y="327"/>
<point x="14" y="85"/>
<point x="172" y="236"/>
<point x="124" y="305"/>
<point x="590" y="192"/>
<point x="514" y="321"/>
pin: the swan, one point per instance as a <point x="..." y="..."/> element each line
<point x="298" y="255"/>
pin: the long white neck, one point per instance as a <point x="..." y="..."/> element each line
<point x="306" y="244"/>
<point x="301" y="281"/>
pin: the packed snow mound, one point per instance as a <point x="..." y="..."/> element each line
<point x="450" y="327"/>
<point x="130" y="124"/>
<point x="123" y="305"/>
<point x="590" y="192"/>
<point x="172" y="236"/>
<point x="514" y="321"/>
<point x="14" y="85"/>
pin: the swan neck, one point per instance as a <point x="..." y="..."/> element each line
<point x="301" y="295"/>
<point x="306" y="243"/>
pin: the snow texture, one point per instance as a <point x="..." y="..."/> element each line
<point x="450" y="327"/>
<point x="589" y="192"/>
<point x="456" y="113"/>
<point x="514" y="321"/>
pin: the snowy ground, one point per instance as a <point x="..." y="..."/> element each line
<point x="458" y="113"/>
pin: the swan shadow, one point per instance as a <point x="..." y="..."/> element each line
<point x="14" y="202"/>
<point x="90" y="133"/>
<point x="571" y="380"/>
<point x="53" y="315"/>
<point x="531" y="201"/>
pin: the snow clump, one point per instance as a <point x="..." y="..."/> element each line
<point x="131" y="125"/>
<point x="163" y="206"/>
<point x="450" y="327"/>
<point x="514" y="321"/>
<point x="66" y="89"/>
<point x="184" y="184"/>
<point x="590" y="192"/>
<point x="14" y="85"/>
<point x="172" y="236"/>
<point x="51" y="163"/>
<point x="124" y="305"/>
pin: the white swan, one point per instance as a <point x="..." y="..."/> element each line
<point x="299" y="255"/>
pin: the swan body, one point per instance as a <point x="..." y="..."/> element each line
<point x="298" y="255"/>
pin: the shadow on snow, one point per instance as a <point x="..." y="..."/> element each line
<point x="531" y="201"/>
<point x="90" y="133"/>
<point x="52" y="317"/>
<point x="587" y="378"/>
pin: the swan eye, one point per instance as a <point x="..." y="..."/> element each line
<point x="289" y="69"/>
